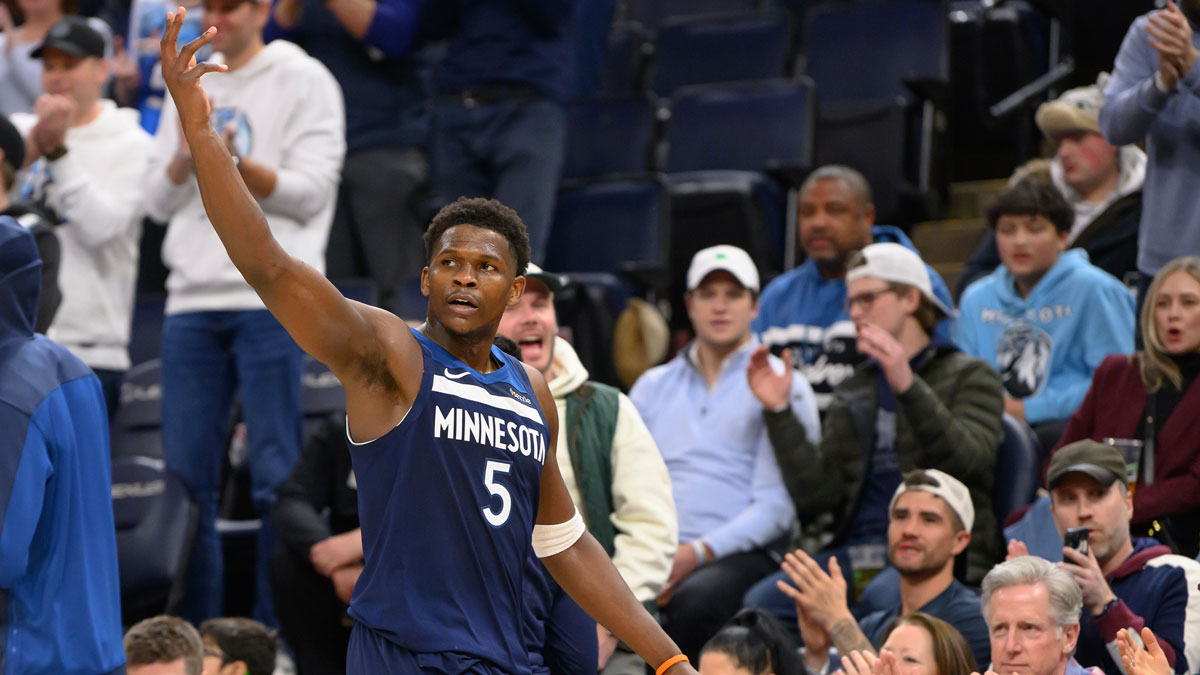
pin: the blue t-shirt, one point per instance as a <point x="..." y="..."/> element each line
<point x="447" y="500"/>
<point x="957" y="606"/>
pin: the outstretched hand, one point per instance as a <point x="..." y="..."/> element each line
<point x="1138" y="660"/>
<point x="771" y="387"/>
<point x="182" y="74"/>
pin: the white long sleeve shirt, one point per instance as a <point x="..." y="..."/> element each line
<point x="290" y="117"/>
<point x="96" y="191"/>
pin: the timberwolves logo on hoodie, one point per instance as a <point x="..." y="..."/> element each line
<point x="1023" y="358"/>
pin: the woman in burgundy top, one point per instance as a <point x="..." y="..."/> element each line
<point x="1153" y="396"/>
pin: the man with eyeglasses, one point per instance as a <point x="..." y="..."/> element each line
<point x="280" y="112"/>
<point x="916" y="403"/>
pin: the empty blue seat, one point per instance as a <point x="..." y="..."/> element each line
<point x="720" y="49"/>
<point x="320" y="394"/>
<point x="137" y="428"/>
<point x="155" y="523"/>
<point x="870" y="136"/>
<point x="625" y="60"/>
<point x="754" y="126"/>
<point x="866" y="50"/>
<point x="608" y="226"/>
<point x="609" y="136"/>
<point x="722" y="144"/>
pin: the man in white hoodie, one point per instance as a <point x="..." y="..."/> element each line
<point x="85" y="162"/>
<point x="1102" y="182"/>
<point x="607" y="457"/>
<point x="282" y="116"/>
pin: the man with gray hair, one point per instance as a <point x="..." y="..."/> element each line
<point x="803" y="310"/>
<point x="163" y="645"/>
<point x="1032" y="611"/>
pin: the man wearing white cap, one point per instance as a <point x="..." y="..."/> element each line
<point x="918" y="402"/>
<point x="729" y="495"/>
<point x="930" y="520"/>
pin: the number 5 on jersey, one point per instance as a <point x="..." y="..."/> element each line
<point x="496" y="519"/>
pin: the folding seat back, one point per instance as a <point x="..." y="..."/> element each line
<point x="742" y="47"/>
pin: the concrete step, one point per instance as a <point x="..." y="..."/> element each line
<point x="968" y="199"/>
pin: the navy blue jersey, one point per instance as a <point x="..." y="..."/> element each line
<point x="447" y="502"/>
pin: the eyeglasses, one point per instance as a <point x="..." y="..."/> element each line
<point x="866" y="298"/>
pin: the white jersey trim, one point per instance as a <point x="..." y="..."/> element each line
<point x="472" y="392"/>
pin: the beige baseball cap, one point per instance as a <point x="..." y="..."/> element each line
<point x="942" y="484"/>
<point x="1076" y="110"/>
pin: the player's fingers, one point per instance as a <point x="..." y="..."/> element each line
<point x="166" y="43"/>
<point x="189" y="50"/>
<point x="203" y="68"/>
<point x="788" y="590"/>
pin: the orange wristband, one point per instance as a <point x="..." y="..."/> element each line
<point x="670" y="662"/>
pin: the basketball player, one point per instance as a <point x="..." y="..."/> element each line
<point x="452" y="441"/>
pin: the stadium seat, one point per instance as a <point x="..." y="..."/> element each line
<point x="320" y="394"/>
<point x="587" y="307"/>
<point x="652" y="13"/>
<point x="1018" y="472"/>
<point x="740" y="47"/>
<point x="864" y="57"/>
<point x="616" y="226"/>
<point x="592" y="127"/>
<point x="137" y="428"/>
<point x="724" y="144"/>
<point x="629" y="48"/>
<point x="155" y="522"/>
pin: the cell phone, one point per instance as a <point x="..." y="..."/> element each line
<point x="1077" y="538"/>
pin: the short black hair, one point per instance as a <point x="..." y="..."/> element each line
<point x="488" y="214"/>
<point x="245" y="640"/>
<point x="1033" y="196"/>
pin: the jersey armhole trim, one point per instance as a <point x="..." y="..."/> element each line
<point x="357" y="444"/>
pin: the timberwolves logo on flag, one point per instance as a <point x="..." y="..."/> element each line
<point x="1023" y="358"/>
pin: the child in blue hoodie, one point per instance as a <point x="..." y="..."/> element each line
<point x="1046" y="317"/>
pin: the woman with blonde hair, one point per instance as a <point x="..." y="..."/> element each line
<point x="915" y="644"/>
<point x="1152" y="397"/>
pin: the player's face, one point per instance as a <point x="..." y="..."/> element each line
<point x="239" y="23"/>
<point x="1025" y="639"/>
<point x="720" y="663"/>
<point x="470" y="281"/>
<point x="532" y="324"/>
<point x="1177" y="313"/>
<point x="913" y="647"/>
<point x="1078" y="500"/>
<point x="721" y="310"/>
<point x="1088" y="160"/>
<point x="922" y="538"/>
<point x="833" y="222"/>
<point x="79" y="78"/>
<point x="1029" y="246"/>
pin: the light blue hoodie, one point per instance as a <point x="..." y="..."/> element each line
<point x="1046" y="346"/>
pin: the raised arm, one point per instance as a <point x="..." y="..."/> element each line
<point x="369" y="350"/>
<point x="584" y="569"/>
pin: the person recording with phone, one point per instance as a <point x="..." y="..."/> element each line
<point x="1127" y="582"/>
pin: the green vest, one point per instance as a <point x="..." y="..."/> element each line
<point x="590" y="425"/>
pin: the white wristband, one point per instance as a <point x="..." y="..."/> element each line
<point x="550" y="540"/>
<point x="700" y="551"/>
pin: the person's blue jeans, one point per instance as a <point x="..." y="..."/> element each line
<point x="206" y="357"/>
<point x="882" y="593"/>
<point x="512" y="152"/>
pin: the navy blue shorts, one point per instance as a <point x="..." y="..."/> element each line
<point x="370" y="653"/>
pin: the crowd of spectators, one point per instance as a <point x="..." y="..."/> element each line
<point x="815" y="470"/>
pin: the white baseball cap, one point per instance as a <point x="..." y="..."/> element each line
<point x="949" y="488"/>
<point x="894" y="262"/>
<point x="723" y="257"/>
